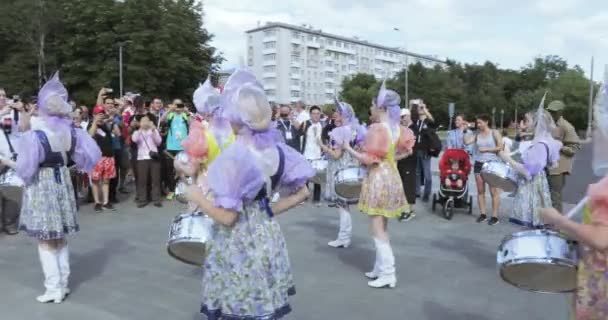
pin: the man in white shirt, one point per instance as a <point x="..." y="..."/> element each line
<point x="301" y="114"/>
<point x="311" y="133"/>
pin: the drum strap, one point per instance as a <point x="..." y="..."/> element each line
<point x="546" y="169"/>
<point x="274" y="182"/>
<point x="10" y="146"/>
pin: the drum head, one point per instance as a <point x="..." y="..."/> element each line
<point x="348" y="190"/>
<point x="188" y="252"/>
<point x="540" y="277"/>
<point x="499" y="182"/>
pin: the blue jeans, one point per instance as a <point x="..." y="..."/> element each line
<point x="423" y="167"/>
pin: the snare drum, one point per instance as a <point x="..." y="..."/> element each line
<point x="499" y="175"/>
<point x="188" y="238"/>
<point x="11" y="186"/>
<point x="348" y="183"/>
<point x="538" y="260"/>
<point x="320" y="166"/>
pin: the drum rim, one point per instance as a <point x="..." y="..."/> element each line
<point x="535" y="232"/>
<point x="503" y="277"/>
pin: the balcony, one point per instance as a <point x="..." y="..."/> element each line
<point x="295" y="76"/>
<point x="269" y="38"/>
<point x="269" y="51"/>
<point x="329" y="80"/>
<point x="341" y="50"/>
<point x="313" y="44"/>
<point x="328" y="68"/>
<point x="296" y="40"/>
<point x="295" y="87"/>
<point x="330" y="90"/>
<point x="352" y="62"/>
<point x="269" y="75"/>
<point x="385" y="58"/>
<point x="270" y="86"/>
<point x="296" y="63"/>
<point x="269" y="63"/>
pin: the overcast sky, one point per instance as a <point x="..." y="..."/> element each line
<point x="510" y="33"/>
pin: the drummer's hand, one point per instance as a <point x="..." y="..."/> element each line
<point x="504" y="155"/>
<point x="552" y="216"/>
<point x="193" y="192"/>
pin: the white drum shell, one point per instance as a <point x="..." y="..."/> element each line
<point x="500" y="175"/>
<point x="538" y="260"/>
<point x="348" y="183"/>
<point x="188" y="237"/>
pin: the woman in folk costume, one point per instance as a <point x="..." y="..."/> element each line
<point x="347" y="131"/>
<point x="382" y="194"/>
<point x="532" y="187"/>
<point x="247" y="274"/>
<point x="49" y="205"/>
<point x="591" y="295"/>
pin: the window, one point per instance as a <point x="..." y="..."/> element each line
<point x="295" y="35"/>
<point x="270" y="32"/>
<point x="270" y="92"/>
<point x="295" y="94"/>
<point x="268" y="45"/>
<point x="339" y="44"/>
<point x="329" y="74"/>
<point x="330" y="42"/>
<point x="270" y="57"/>
<point x="270" y="68"/>
<point x="343" y="67"/>
<point x="309" y="37"/>
<point x="329" y="85"/>
<point x="250" y="62"/>
<point x="329" y="63"/>
<point x="336" y="55"/>
<point x="269" y="80"/>
<point x="327" y="54"/>
<point x="295" y="82"/>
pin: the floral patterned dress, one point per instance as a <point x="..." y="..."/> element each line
<point x="382" y="190"/>
<point x="591" y="300"/>
<point x="247" y="274"/>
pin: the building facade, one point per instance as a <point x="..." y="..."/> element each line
<point x="303" y="64"/>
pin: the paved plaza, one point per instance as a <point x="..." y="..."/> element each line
<point x="120" y="270"/>
<point x="446" y="269"/>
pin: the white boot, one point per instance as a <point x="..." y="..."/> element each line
<point x="64" y="268"/>
<point x="375" y="273"/>
<point x="345" y="231"/>
<point x="386" y="267"/>
<point x="52" y="278"/>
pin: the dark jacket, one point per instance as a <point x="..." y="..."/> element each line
<point x="288" y="130"/>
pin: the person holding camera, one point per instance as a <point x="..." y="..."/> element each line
<point x="424" y="127"/>
<point x="176" y="121"/>
<point x="10" y="208"/>
<point x="101" y="129"/>
<point x="147" y="139"/>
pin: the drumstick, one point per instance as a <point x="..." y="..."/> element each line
<point x="169" y="155"/>
<point x="579" y="206"/>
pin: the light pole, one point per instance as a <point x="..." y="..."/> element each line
<point x="502" y="115"/>
<point x="407" y="99"/>
<point x="493" y="121"/>
<point x="120" y="46"/>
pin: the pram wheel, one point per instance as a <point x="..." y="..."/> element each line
<point x="434" y="203"/>
<point x="448" y="208"/>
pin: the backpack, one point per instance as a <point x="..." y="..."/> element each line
<point x="435" y="145"/>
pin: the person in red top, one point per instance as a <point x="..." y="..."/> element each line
<point x="454" y="175"/>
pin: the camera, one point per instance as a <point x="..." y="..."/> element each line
<point x="16" y="98"/>
<point x="109" y="90"/>
<point x="7" y="125"/>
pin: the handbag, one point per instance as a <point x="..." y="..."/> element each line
<point x="153" y="154"/>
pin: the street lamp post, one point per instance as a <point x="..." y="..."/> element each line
<point x="493" y="122"/>
<point x="120" y="45"/>
<point x="407" y="99"/>
<point x="502" y="115"/>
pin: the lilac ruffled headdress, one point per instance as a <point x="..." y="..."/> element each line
<point x="53" y="103"/>
<point x="599" y="161"/>
<point x="206" y="98"/>
<point x="244" y="102"/>
<point x="389" y="100"/>
<point x="543" y="128"/>
<point x="350" y="128"/>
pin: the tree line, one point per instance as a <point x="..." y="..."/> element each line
<point x="166" y="49"/>
<point x="479" y="88"/>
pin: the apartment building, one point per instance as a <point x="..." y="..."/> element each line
<point x="300" y="63"/>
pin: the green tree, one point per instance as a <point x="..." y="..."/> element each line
<point x="359" y="92"/>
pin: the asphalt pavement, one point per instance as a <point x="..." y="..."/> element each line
<point x="120" y="270"/>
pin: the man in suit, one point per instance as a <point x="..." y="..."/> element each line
<point x="565" y="133"/>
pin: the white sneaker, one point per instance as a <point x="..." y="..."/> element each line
<point x="339" y="243"/>
<point x="384" y="281"/>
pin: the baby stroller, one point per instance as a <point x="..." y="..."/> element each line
<point x="455" y="195"/>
